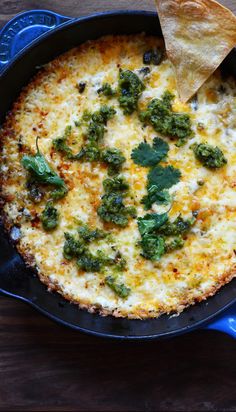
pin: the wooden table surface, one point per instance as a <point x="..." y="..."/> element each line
<point x="45" y="367"/>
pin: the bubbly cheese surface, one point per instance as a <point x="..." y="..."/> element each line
<point x="49" y="104"/>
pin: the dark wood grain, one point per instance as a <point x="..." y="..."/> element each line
<point x="45" y="367"/>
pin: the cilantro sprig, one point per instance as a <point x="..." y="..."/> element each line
<point x="147" y="155"/>
<point x="159" y="180"/>
<point x="154" y="195"/>
<point x="163" y="177"/>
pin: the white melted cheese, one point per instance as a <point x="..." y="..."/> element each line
<point x="52" y="102"/>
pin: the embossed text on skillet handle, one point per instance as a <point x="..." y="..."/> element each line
<point x="23" y="29"/>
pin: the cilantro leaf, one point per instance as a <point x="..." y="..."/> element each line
<point x="161" y="147"/>
<point x="155" y="196"/>
<point x="163" y="177"/>
<point x="151" y="222"/>
<point x="145" y="155"/>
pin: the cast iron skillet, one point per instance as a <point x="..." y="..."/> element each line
<point x="19" y="60"/>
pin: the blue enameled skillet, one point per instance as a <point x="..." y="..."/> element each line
<point x="26" y="42"/>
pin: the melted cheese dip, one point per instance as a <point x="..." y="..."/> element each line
<point x="49" y="104"/>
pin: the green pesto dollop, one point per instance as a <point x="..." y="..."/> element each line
<point x="210" y="156"/>
<point x="72" y="247"/>
<point x="114" y="159"/>
<point x="60" y="144"/>
<point x="160" y="115"/>
<point x="96" y="128"/>
<point x="130" y="88"/>
<point x="88" y="262"/>
<point x="113" y="210"/>
<point x="116" y="184"/>
<point x="76" y="246"/>
<point x="106" y="90"/>
<point x="49" y="217"/>
<point x="89" y="235"/>
<point x="119" y="288"/>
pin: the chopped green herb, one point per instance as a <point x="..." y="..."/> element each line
<point x="40" y="170"/>
<point x="98" y="121"/>
<point x="130" y="88"/>
<point x="155" y="196"/>
<point x="96" y="131"/>
<point x="114" y="158"/>
<point x="112" y="209"/>
<point x="49" y="217"/>
<point x="86" y="117"/>
<point x="104" y="114"/>
<point x="72" y="247"/>
<point x="91" y="152"/>
<point x="104" y="259"/>
<point x="59" y="193"/>
<point x="178" y="227"/>
<point x="89" y="235"/>
<point x="210" y="156"/>
<point x="107" y="90"/>
<point x="160" y="115"/>
<point x="163" y="177"/>
<point x="118" y="262"/>
<point x="77" y="247"/>
<point x="176" y="243"/>
<point x="153" y="247"/>
<point x="151" y="222"/>
<point x="115" y="184"/>
<point x="146" y="155"/>
<point x="119" y="288"/>
<point x="89" y="262"/>
<point x="60" y="145"/>
<point x="155" y="229"/>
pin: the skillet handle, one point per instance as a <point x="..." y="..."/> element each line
<point x="225" y="323"/>
<point x="23" y="29"/>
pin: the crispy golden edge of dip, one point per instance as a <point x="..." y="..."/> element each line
<point x="198" y="36"/>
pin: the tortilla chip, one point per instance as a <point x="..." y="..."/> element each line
<point x="198" y="36"/>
